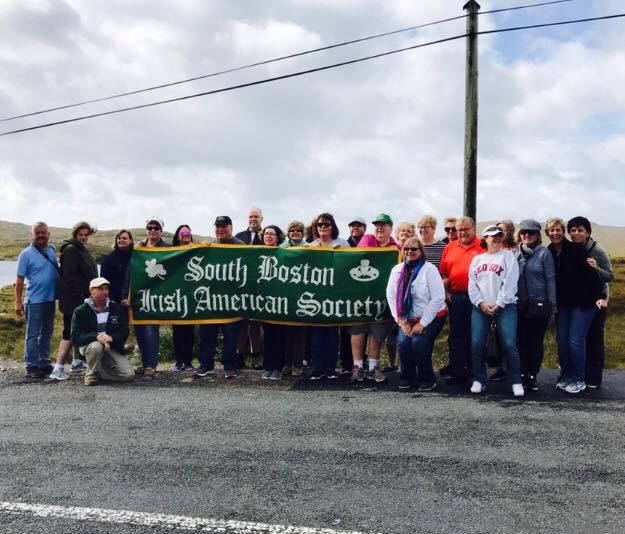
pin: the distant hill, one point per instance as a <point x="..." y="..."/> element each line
<point x="14" y="236"/>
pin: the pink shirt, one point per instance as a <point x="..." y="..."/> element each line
<point x="369" y="240"/>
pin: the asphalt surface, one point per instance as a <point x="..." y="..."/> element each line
<point x="347" y="458"/>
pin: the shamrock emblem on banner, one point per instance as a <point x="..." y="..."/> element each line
<point x="155" y="269"/>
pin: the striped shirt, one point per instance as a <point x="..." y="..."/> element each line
<point x="434" y="252"/>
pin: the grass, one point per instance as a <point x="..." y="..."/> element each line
<point x="12" y="330"/>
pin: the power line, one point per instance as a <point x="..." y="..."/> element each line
<point x="273" y="60"/>
<point x="309" y="71"/>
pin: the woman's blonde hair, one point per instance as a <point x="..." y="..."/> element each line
<point x="405" y="226"/>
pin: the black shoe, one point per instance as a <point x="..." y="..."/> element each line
<point x="35" y="372"/>
<point x="593" y="386"/>
<point x="427" y="386"/>
<point x="201" y="372"/>
<point x="498" y="376"/>
<point x="532" y="385"/>
<point x="317" y="375"/>
<point x="455" y="380"/>
<point x="331" y="374"/>
<point x="404" y="384"/>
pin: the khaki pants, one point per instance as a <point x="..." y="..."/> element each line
<point x="107" y="364"/>
<point x="250" y="338"/>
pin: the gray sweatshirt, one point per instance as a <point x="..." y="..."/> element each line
<point x="493" y="279"/>
<point x="606" y="274"/>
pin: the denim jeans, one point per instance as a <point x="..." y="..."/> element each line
<point x="208" y="344"/>
<point x="460" y="334"/>
<point x="148" y="339"/>
<point x="39" y="319"/>
<point x="183" y="337"/>
<point x="275" y="336"/>
<point x="572" y="325"/>
<point x="506" y="320"/>
<point x="324" y="347"/>
<point x="415" y="354"/>
<point x="595" y="348"/>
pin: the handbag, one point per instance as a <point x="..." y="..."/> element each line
<point x="538" y="309"/>
<point x="492" y="346"/>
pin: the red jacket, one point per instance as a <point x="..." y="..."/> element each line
<point x="455" y="263"/>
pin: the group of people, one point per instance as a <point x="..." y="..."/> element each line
<point x="498" y="293"/>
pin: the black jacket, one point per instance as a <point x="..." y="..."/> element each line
<point x="85" y="326"/>
<point x="113" y="268"/>
<point x="246" y="237"/>
<point x="78" y="268"/>
<point x="577" y="284"/>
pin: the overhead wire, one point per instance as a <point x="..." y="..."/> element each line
<point x="274" y="60"/>
<point x="310" y="71"/>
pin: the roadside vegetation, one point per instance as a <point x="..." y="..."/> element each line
<point x="12" y="330"/>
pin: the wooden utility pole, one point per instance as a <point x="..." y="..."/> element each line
<point x="470" y="112"/>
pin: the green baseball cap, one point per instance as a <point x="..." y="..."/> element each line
<point x="383" y="218"/>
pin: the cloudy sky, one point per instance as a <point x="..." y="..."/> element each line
<point x="380" y="136"/>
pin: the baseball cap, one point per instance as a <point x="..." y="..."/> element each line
<point x="383" y="218"/>
<point x="491" y="230"/>
<point x="357" y="220"/>
<point x="99" y="282"/>
<point x="223" y="220"/>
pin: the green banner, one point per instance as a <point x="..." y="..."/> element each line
<point x="222" y="283"/>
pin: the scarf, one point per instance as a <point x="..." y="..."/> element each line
<point x="403" y="302"/>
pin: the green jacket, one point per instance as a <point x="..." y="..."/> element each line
<point x="85" y="326"/>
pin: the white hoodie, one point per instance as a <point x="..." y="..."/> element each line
<point x="493" y="279"/>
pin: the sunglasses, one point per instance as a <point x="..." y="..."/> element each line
<point x="528" y="232"/>
<point x="449" y="229"/>
<point x="184" y="234"/>
<point x="412" y="249"/>
<point x="323" y="225"/>
<point x="153" y="228"/>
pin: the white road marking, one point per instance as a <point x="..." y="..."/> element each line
<point x="177" y="522"/>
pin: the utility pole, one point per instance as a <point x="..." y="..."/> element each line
<point x="470" y="112"/>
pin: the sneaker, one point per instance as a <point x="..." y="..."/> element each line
<point x="477" y="387"/>
<point x="575" y="387"/>
<point x="276" y="375"/>
<point x="230" y="375"/>
<point x="532" y="384"/>
<point x="593" y="386"/>
<point x="266" y="375"/>
<point x="345" y="372"/>
<point x="201" y="372"/>
<point x="177" y="367"/>
<point x="446" y="370"/>
<point x="331" y="374"/>
<point x="427" y="387"/>
<point x="318" y="375"/>
<point x="498" y="376"/>
<point x="404" y="384"/>
<point x="78" y="366"/>
<point x="377" y="375"/>
<point x="91" y="380"/>
<point x="149" y="372"/>
<point x="561" y="384"/>
<point x="358" y="374"/>
<point x="517" y="390"/>
<point x="188" y="367"/>
<point x="59" y="374"/>
<point x="287" y="371"/>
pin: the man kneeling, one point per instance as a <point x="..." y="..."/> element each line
<point x="99" y="330"/>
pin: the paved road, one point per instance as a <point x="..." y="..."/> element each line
<point x="336" y="457"/>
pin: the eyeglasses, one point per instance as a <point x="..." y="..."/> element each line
<point x="153" y="228"/>
<point x="270" y="234"/>
<point x="323" y="224"/>
<point x="412" y="249"/>
<point x="295" y="230"/>
<point x="528" y="232"/>
<point x="468" y="229"/>
<point x="449" y="229"/>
